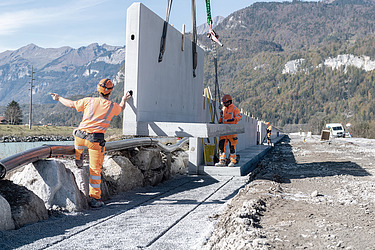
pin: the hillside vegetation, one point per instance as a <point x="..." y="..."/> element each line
<point x="261" y="39"/>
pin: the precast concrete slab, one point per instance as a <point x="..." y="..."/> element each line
<point x="173" y="215"/>
<point x="201" y="130"/>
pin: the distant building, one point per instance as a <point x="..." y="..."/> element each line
<point x="3" y="120"/>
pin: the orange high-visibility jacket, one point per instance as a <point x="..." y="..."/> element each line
<point x="269" y="128"/>
<point x="97" y="113"/>
<point x="230" y="112"/>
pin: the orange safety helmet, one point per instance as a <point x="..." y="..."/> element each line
<point x="226" y="98"/>
<point x="105" y="86"/>
<point x="268" y="123"/>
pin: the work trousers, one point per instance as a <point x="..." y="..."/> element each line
<point x="96" y="157"/>
<point x="269" y="137"/>
<point x="223" y="140"/>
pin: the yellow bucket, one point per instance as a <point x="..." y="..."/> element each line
<point x="209" y="153"/>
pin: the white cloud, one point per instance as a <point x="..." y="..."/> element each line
<point x="13" y="21"/>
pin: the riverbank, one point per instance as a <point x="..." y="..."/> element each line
<point x="36" y="138"/>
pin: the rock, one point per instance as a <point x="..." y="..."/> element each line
<point x="120" y="174"/>
<point x="147" y="159"/>
<point x="81" y="175"/>
<point x="6" y="221"/>
<point x="314" y="194"/>
<point x="180" y="163"/>
<point x="53" y="183"/>
<point x="26" y="207"/>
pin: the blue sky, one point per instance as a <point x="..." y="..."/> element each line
<point x="76" y="23"/>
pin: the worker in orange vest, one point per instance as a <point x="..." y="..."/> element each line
<point x="97" y="114"/>
<point x="269" y="130"/>
<point x="230" y="115"/>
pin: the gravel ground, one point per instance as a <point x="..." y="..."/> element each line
<point x="305" y="194"/>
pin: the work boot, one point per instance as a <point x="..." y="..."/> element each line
<point x="96" y="203"/>
<point x="231" y="164"/>
<point x="220" y="164"/>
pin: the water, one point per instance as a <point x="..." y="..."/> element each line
<point x="11" y="148"/>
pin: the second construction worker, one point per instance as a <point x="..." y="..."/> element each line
<point x="230" y="115"/>
<point x="269" y="131"/>
<point x="97" y="114"/>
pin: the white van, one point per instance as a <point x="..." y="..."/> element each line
<point x="336" y="129"/>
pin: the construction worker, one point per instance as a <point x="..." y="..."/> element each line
<point x="269" y="130"/>
<point x="229" y="115"/>
<point x="97" y="114"/>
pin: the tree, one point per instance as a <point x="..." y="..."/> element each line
<point x="13" y="113"/>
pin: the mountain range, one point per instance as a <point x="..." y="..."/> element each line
<point x="64" y="70"/>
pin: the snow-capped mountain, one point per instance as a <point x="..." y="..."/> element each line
<point x="64" y="70"/>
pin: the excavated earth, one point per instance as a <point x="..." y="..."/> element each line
<point x="305" y="194"/>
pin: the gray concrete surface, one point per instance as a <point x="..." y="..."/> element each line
<point x="173" y="215"/>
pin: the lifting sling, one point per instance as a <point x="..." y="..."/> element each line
<point x="211" y="33"/>
<point x="194" y="42"/>
<point x="214" y="38"/>
<point x="164" y="34"/>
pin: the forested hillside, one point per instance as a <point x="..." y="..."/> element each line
<point x="261" y="39"/>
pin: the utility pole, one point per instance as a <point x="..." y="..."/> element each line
<point x="31" y="97"/>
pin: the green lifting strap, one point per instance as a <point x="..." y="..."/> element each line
<point x="208" y="9"/>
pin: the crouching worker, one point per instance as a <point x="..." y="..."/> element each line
<point x="97" y="114"/>
<point x="230" y="115"/>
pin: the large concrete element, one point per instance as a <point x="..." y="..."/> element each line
<point x="164" y="92"/>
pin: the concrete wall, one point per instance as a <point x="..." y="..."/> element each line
<point x="248" y="138"/>
<point x="165" y="91"/>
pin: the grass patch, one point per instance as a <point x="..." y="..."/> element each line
<point x="24" y="131"/>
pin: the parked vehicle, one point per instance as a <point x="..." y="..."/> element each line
<point x="336" y="129"/>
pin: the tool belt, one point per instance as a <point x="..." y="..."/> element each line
<point x="91" y="137"/>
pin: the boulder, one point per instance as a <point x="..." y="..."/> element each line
<point x="6" y="221"/>
<point x="25" y="206"/>
<point x="179" y="163"/>
<point x="81" y="175"/>
<point x="53" y="183"/>
<point x="147" y="159"/>
<point x="120" y="175"/>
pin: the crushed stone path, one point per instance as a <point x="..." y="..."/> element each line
<point x="173" y="215"/>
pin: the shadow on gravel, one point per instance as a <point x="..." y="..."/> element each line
<point x="284" y="166"/>
<point x="63" y="226"/>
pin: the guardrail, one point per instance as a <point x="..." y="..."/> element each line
<point x="46" y="151"/>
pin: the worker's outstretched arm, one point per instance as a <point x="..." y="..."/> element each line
<point x="66" y="102"/>
<point x="124" y="99"/>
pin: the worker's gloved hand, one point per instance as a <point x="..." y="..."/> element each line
<point x="230" y="120"/>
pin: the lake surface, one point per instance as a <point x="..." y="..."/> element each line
<point x="11" y="148"/>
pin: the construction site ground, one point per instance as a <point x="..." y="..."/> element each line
<point x="304" y="194"/>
